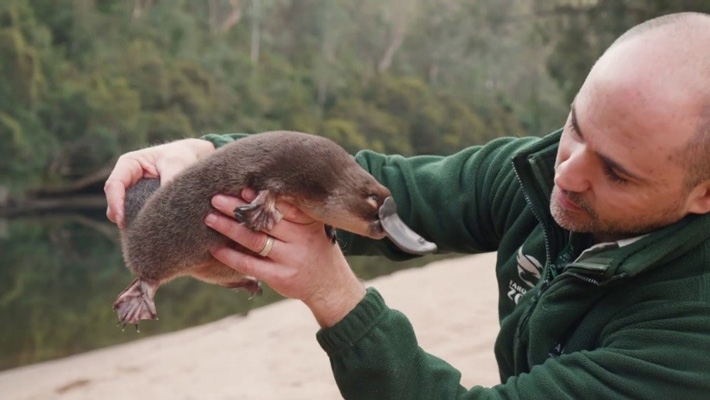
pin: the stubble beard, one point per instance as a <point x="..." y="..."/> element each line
<point x="605" y="230"/>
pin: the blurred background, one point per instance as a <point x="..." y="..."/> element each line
<point x="83" y="81"/>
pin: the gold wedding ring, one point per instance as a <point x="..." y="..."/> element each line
<point x="267" y="247"/>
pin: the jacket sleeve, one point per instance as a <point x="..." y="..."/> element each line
<point x="219" y="140"/>
<point x="463" y="202"/>
<point x="650" y="353"/>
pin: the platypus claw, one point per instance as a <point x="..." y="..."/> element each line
<point x="123" y="326"/>
<point x="255" y="218"/>
<point x="248" y="283"/>
<point x="261" y="214"/>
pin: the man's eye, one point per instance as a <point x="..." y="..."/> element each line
<point x="574" y="132"/>
<point x="609" y="172"/>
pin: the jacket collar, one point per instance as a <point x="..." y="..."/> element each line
<point x="534" y="166"/>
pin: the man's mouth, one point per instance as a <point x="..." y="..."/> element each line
<point x="566" y="202"/>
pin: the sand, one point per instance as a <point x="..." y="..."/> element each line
<point x="272" y="353"/>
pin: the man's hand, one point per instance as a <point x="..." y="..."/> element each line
<point x="303" y="263"/>
<point x="163" y="161"/>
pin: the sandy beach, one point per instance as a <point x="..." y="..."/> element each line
<point x="272" y="353"/>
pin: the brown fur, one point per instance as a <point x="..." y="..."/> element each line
<point x="166" y="237"/>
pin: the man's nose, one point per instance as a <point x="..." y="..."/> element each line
<point x="572" y="174"/>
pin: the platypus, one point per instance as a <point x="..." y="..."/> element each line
<point x="165" y="236"/>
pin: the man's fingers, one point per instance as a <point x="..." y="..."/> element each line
<point x="285" y="230"/>
<point x="248" y="194"/>
<point x="227" y="204"/>
<point x="246" y="264"/>
<point x="168" y="173"/>
<point x="115" y="197"/>
<point x="293" y="213"/>
<point x="127" y="171"/>
<point x="168" y="166"/>
<point x="288" y="210"/>
<point x="254" y="241"/>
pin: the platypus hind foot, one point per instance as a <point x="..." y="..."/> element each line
<point x="260" y="214"/>
<point x="136" y="302"/>
<point x="251" y="285"/>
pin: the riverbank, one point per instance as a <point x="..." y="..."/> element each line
<point x="272" y="353"/>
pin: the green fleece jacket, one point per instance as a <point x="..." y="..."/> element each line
<point x="629" y="320"/>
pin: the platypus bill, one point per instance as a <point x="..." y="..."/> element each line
<point x="165" y="236"/>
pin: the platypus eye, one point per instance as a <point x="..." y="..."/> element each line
<point x="374" y="198"/>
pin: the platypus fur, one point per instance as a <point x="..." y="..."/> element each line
<point x="165" y="236"/>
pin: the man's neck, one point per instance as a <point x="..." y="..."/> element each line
<point x="622" y="240"/>
<point x="607" y="237"/>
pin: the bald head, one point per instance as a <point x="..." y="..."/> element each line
<point x="686" y="22"/>
<point x="670" y="55"/>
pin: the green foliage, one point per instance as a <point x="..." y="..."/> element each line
<point x="593" y="26"/>
<point x="87" y="81"/>
<point x="84" y="81"/>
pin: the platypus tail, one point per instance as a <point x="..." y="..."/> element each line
<point x="137" y="195"/>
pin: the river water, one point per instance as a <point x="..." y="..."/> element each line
<point x="59" y="276"/>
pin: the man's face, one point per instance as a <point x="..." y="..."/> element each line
<point x="611" y="190"/>
<point x="617" y="173"/>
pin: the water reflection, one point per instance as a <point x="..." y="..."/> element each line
<point x="60" y="274"/>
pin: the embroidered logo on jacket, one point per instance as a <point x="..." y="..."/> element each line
<point x="529" y="268"/>
<point x="556" y="351"/>
<point x="529" y="272"/>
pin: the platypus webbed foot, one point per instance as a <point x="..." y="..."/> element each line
<point x="251" y="285"/>
<point x="136" y="302"/>
<point x="260" y="214"/>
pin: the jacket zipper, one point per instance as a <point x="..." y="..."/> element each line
<point x="596" y="282"/>
<point x="546" y="281"/>
<point x="532" y="209"/>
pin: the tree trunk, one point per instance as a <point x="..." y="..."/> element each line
<point x="400" y="11"/>
<point x="255" y="31"/>
<point x="395" y="43"/>
<point x="140" y="7"/>
<point x="233" y="18"/>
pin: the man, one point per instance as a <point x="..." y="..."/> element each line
<point x="602" y="231"/>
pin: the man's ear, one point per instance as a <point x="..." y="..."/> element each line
<point x="699" y="198"/>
